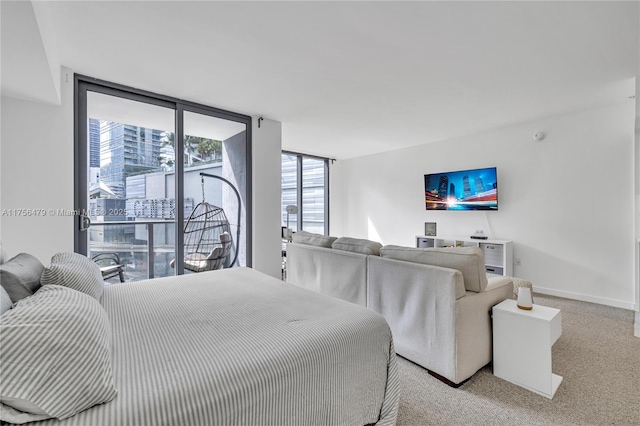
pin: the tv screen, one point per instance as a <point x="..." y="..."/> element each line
<point x="475" y="189"/>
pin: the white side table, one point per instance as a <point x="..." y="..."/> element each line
<point x="522" y="342"/>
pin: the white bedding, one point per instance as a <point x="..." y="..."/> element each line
<point x="237" y="347"/>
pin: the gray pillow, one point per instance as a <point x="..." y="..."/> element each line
<point x="357" y="245"/>
<point x="309" y="238"/>
<point x="5" y="301"/>
<point x="75" y="271"/>
<point x="62" y="365"/>
<point x="468" y="260"/>
<point x="20" y="276"/>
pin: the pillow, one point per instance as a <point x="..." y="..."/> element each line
<point x="75" y="271"/>
<point x="468" y="260"/>
<point x="5" y="301"/>
<point x="55" y="356"/>
<point x="20" y="276"/>
<point x="357" y="245"/>
<point x="309" y="238"/>
<point x="3" y="255"/>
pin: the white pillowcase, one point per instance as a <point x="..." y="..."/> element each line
<point x="55" y="357"/>
<point x="75" y="271"/>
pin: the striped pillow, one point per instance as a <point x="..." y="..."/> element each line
<point x="75" y="271"/>
<point x="55" y="357"/>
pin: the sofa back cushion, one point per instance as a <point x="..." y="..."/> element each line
<point x="468" y="260"/>
<point x="357" y="245"/>
<point x="309" y="238"/>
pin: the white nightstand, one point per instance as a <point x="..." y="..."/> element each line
<point x="522" y="342"/>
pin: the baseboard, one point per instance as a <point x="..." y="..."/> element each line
<point x="585" y="298"/>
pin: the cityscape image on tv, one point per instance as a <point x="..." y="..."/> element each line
<point x="462" y="190"/>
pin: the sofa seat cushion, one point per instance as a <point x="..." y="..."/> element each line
<point x="357" y="245"/>
<point x="468" y="260"/>
<point x="309" y="238"/>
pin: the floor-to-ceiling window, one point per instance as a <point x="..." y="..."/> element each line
<point x="137" y="189"/>
<point x="305" y="184"/>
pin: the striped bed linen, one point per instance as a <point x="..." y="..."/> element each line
<point x="237" y="347"/>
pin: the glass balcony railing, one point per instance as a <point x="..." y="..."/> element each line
<point x="145" y="248"/>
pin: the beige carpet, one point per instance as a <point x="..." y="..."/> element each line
<point x="597" y="355"/>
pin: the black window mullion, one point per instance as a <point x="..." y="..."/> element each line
<point x="326" y="197"/>
<point x="179" y="188"/>
<point x="299" y="189"/>
<point x="80" y="170"/>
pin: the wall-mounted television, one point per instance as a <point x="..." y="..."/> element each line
<point x="475" y="189"/>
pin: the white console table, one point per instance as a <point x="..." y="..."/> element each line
<point x="498" y="254"/>
<point x="522" y="342"/>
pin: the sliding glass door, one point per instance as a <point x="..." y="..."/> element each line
<point x="214" y="176"/>
<point x="130" y="209"/>
<point x="137" y="190"/>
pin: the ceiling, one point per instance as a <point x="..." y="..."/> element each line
<point x="112" y="108"/>
<point x="346" y="79"/>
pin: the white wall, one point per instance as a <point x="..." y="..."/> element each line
<point x="37" y="164"/>
<point x="566" y="202"/>
<point x="267" y="244"/>
<point x="37" y="173"/>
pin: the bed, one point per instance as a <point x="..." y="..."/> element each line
<point x="237" y="347"/>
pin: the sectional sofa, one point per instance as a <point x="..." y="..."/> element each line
<point x="437" y="301"/>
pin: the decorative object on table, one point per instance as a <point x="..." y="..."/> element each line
<point x="430" y="229"/>
<point x="479" y="235"/>
<point x="519" y="282"/>
<point x="525" y="300"/>
<point x="291" y="209"/>
<point x="207" y="235"/>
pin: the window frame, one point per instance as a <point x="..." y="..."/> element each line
<point x="83" y="84"/>
<point x="299" y="188"/>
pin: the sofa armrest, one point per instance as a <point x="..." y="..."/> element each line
<point x="474" y="330"/>
<point x="497" y="282"/>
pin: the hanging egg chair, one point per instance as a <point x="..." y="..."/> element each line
<point x="207" y="236"/>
